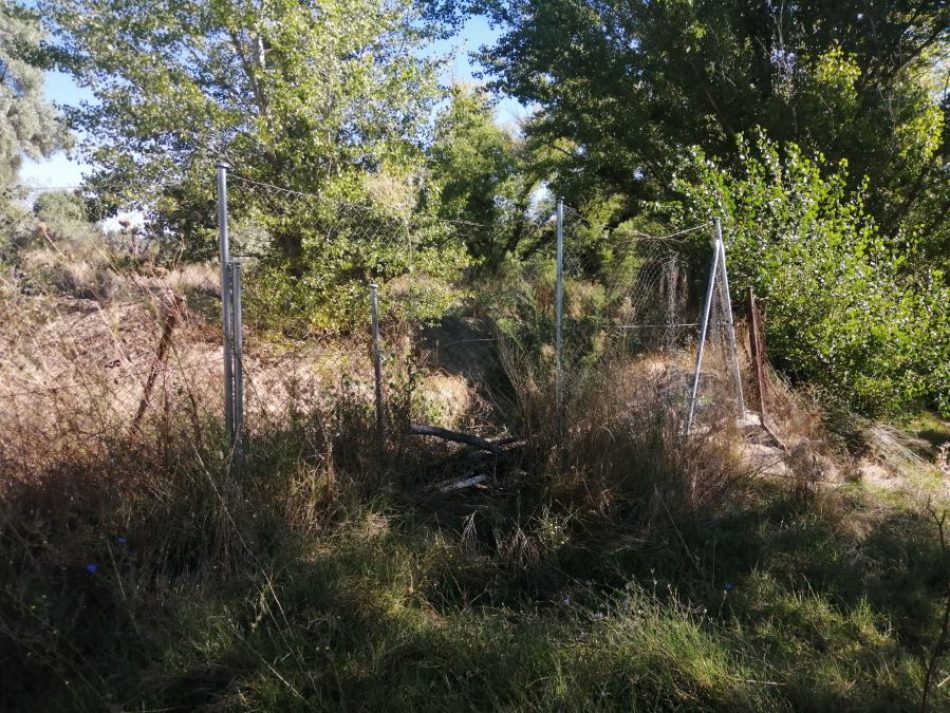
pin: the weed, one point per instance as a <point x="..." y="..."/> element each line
<point x="612" y="565"/>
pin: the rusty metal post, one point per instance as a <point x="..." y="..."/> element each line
<point x="755" y="348"/>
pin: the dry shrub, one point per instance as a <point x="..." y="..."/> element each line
<point x="797" y="415"/>
<point x="533" y="404"/>
<point x="625" y="443"/>
<point x="78" y="473"/>
<point x="75" y="374"/>
<point x="622" y="439"/>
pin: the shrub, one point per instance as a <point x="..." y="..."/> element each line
<point x="343" y="249"/>
<point x="844" y="309"/>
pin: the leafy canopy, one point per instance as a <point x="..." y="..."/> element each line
<point x="623" y="86"/>
<point x="843" y="310"/>
<point x="480" y="177"/>
<point x="28" y="123"/>
<point x="312" y="96"/>
<point x="331" y="99"/>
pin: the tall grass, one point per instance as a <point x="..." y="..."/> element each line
<point x="612" y="565"/>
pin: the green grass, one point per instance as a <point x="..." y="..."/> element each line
<point x="635" y="573"/>
<point x="930" y="427"/>
<point x="515" y="599"/>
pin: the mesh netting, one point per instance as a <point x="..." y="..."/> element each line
<point x="127" y="343"/>
<point x="648" y="306"/>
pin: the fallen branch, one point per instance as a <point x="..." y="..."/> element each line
<point x="465" y="438"/>
<point x="460" y="484"/>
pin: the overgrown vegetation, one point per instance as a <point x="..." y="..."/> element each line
<point x="595" y="557"/>
<point x="638" y="570"/>
<point x="846" y="309"/>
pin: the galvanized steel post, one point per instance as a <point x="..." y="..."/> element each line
<point x="237" y="353"/>
<point x="378" y="372"/>
<point x="703" y="331"/>
<point x="226" y="304"/>
<point x="559" y="323"/>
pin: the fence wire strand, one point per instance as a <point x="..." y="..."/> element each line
<point x="86" y="373"/>
<point x="649" y="306"/>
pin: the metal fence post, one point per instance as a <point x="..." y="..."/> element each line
<point x="226" y="305"/>
<point x="703" y="330"/>
<point x="378" y="372"/>
<point x="730" y="322"/>
<point x="237" y="352"/>
<point x="559" y="323"/>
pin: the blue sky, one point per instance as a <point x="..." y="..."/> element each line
<point x="62" y="170"/>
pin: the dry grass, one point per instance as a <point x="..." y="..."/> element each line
<point x="612" y="564"/>
<point x="74" y="371"/>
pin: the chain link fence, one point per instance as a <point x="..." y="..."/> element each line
<point x="125" y="345"/>
<point x="98" y="345"/>
<point x="643" y="308"/>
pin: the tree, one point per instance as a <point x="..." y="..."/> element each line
<point x="330" y="101"/>
<point x="479" y="177"/>
<point x="843" y="311"/>
<point x="29" y="125"/>
<point x="62" y="215"/>
<point x="314" y="96"/>
<point x="624" y="86"/>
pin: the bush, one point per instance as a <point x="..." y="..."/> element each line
<point x="343" y="250"/>
<point x="844" y="309"/>
<point x="80" y="279"/>
<point x="62" y="219"/>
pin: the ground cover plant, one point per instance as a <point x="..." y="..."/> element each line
<point x="633" y="569"/>
<point x="540" y="497"/>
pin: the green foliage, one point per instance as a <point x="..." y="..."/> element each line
<point x="327" y="99"/>
<point x="415" y="261"/>
<point x="478" y="177"/>
<point x="621" y="86"/>
<point x="62" y="216"/>
<point x="144" y="578"/>
<point x="28" y="123"/>
<point x="308" y="94"/>
<point x="16" y="230"/>
<point x="843" y="309"/>
<point x="54" y="207"/>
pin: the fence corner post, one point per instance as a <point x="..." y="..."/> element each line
<point x="730" y="321"/>
<point x="703" y="329"/>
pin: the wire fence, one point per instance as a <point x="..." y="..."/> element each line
<point x="648" y="307"/>
<point x="126" y="346"/>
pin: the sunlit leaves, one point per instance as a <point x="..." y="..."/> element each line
<point x="28" y="123"/>
<point x="329" y="99"/>
<point x="843" y="311"/>
<point x="633" y="83"/>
